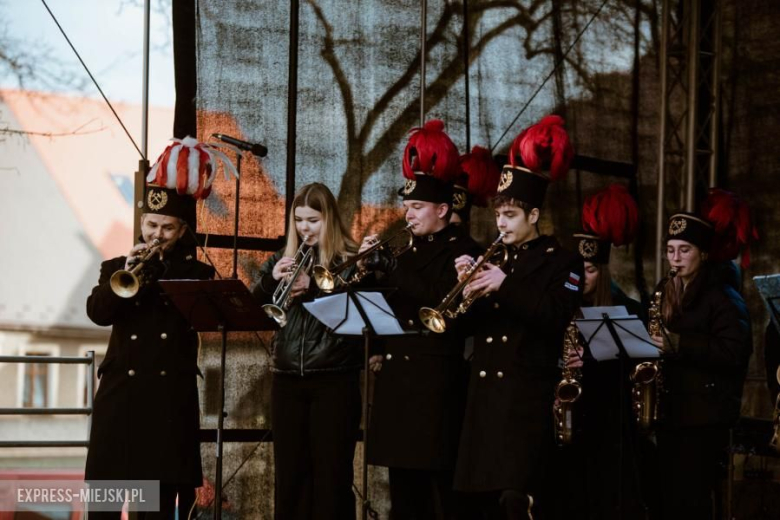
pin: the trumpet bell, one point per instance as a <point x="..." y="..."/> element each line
<point x="124" y="284"/>
<point x="433" y="320"/>
<point x="323" y="278"/>
<point x="276" y="313"/>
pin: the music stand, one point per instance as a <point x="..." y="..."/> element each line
<point x="218" y="306"/>
<point x="377" y="320"/>
<point x="769" y="288"/>
<point x="620" y="333"/>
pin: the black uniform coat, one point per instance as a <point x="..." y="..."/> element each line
<point x="419" y="394"/>
<point x="146" y="416"/>
<point x="703" y="382"/>
<point x="517" y="344"/>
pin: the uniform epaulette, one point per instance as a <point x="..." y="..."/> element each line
<point x="188" y="257"/>
<point x="453" y="239"/>
<point x="550" y="250"/>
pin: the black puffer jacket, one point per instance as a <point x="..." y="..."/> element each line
<point x="703" y="381"/>
<point x="304" y="346"/>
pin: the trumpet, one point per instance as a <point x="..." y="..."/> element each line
<point x="328" y="279"/>
<point x="569" y="388"/>
<point x="282" y="295"/>
<point x="434" y="319"/>
<point x="126" y="283"/>
<point x="647" y="376"/>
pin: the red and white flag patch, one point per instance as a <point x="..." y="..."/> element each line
<point x="573" y="282"/>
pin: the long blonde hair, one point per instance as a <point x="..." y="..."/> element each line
<point x="335" y="242"/>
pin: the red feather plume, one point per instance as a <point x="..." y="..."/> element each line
<point x="544" y="146"/>
<point x="734" y="229"/>
<point x="483" y="174"/>
<point x="434" y="152"/>
<point x="612" y="214"/>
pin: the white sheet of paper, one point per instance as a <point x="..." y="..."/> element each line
<point x="631" y="331"/>
<point x="330" y="310"/>
<point x="594" y="313"/>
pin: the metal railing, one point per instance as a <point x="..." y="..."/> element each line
<point x="89" y="360"/>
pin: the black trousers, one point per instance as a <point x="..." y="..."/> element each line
<point x="691" y="464"/>
<point x="316" y="420"/>
<point x="421" y="495"/>
<point x="168" y="494"/>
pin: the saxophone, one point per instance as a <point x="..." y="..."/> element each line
<point x="568" y="390"/>
<point x="647" y="377"/>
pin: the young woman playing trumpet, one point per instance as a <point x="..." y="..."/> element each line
<point x="315" y="395"/>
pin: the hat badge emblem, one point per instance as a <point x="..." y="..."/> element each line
<point x="409" y="186"/>
<point x="506" y="180"/>
<point x="458" y="200"/>
<point x="156" y="199"/>
<point x="677" y="226"/>
<point x="588" y="248"/>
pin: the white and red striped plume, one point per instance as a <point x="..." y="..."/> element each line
<point x="189" y="166"/>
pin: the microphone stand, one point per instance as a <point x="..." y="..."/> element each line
<point x="223" y="355"/>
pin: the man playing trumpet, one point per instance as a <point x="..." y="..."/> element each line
<point x="518" y="331"/>
<point x="420" y="390"/>
<point x="146" y="413"/>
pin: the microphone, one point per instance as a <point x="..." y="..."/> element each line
<point x="255" y="148"/>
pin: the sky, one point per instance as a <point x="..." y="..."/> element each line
<point x="109" y="36"/>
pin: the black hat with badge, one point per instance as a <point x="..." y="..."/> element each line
<point x="430" y="165"/>
<point x="690" y="228"/>
<point x="539" y="154"/>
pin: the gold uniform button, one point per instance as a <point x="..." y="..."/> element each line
<point x="504" y="339"/>
<point x="406" y="358"/>
<point x="134" y="337"/>
<point x="515" y="257"/>
<point x="163" y="373"/>
<point x="499" y="374"/>
<point x="414" y="249"/>
<point x="164" y="336"/>
<point x="131" y="372"/>
<point x="389" y="357"/>
<point x="482" y="373"/>
<point x="137" y="304"/>
<point x="495" y="305"/>
<point x="525" y="246"/>
<point x="411" y="322"/>
<point x="489" y="339"/>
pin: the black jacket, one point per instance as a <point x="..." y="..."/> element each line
<point x="518" y="339"/>
<point x="146" y="415"/>
<point x="304" y="346"/>
<point x="703" y="381"/>
<point x="419" y="394"/>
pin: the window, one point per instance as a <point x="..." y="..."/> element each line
<point x="35" y="385"/>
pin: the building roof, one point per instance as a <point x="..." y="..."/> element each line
<point x="65" y="201"/>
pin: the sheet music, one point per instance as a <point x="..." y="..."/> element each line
<point x="631" y="331"/>
<point x="595" y="313"/>
<point x="331" y="311"/>
<point x="769" y="288"/>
